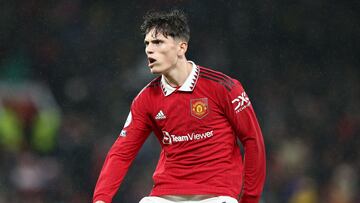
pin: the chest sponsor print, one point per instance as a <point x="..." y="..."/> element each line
<point x="169" y="139"/>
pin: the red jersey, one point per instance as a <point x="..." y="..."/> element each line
<point x="197" y="126"/>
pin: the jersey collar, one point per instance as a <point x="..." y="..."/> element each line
<point x="188" y="85"/>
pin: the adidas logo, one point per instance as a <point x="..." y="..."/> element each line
<point x="160" y="115"/>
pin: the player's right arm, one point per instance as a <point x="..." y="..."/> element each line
<point x="122" y="153"/>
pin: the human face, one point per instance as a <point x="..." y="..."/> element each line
<point x="162" y="52"/>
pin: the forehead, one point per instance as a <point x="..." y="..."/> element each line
<point x="152" y="35"/>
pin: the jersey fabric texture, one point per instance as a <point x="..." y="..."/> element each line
<point x="197" y="125"/>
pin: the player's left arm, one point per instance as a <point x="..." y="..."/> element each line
<point x="240" y="112"/>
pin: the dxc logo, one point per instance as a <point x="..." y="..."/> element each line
<point x="242" y="102"/>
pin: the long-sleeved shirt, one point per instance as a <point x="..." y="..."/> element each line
<point x="197" y="125"/>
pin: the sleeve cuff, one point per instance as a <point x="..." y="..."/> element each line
<point x="249" y="199"/>
<point x="104" y="198"/>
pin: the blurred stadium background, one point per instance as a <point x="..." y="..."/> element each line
<point x="69" y="70"/>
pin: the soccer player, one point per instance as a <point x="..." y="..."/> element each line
<point x="197" y="114"/>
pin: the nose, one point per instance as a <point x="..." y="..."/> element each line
<point x="148" y="49"/>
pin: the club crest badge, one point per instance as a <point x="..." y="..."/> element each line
<point x="199" y="107"/>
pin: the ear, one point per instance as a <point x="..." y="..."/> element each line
<point x="182" y="47"/>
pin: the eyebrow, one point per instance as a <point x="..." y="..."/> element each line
<point x="153" y="41"/>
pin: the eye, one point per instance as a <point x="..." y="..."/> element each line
<point x="157" y="42"/>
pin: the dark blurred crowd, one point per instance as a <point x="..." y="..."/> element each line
<point x="70" y="69"/>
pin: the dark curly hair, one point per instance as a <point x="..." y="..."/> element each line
<point x="173" y="23"/>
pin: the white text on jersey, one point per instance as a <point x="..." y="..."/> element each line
<point x="242" y="102"/>
<point x="169" y="139"/>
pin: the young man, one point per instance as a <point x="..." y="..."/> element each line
<point x="197" y="114"/>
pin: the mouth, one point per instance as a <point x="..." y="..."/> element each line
<point x="151" y="61"/>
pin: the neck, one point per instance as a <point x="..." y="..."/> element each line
<point x="177" y="75"/>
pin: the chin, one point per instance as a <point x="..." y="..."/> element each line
<point x="155" y="71"/>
